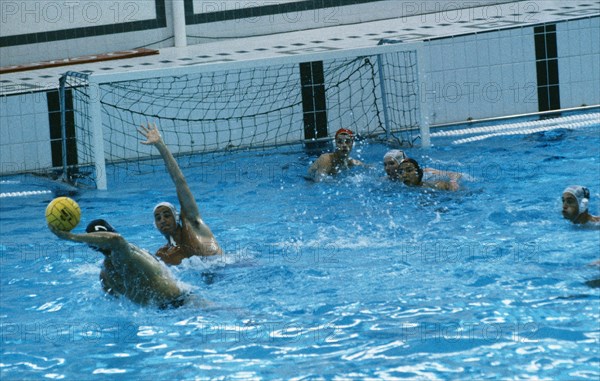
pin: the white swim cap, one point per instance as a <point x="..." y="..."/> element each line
<point x="170" y="206"/>
<point x="395" y="154"/>
<point x="582" y="194"/>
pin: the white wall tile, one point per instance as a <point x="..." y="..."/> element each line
<point x="496" y="78"/>
<point x="11" y="130"/>
<point x="528" y="44"/>
<point x="483" y="74"/>
<point x="519" y="74"/>
<point x="44" y="155"/>
<point x="40" y="103"/>
<point x="580" y="92"/>
<point x="586" y="66"/>
<point x="482" y="52"/>
<point x="462" y="75"/>
<point x="585" y="40"/>
<point x="494" y="49"/>
<point x="42" y="126"/>
<point x="530" y="84"/>
<point x="17" y="158"/>
<point x="583" y="23"/>
<point x="567" y="99"/>
<point x="574" y="43"/>
<point x="30" y="152"/>
<point x="507" y="84"/>
<point x="575" y="69"/>
<point x="471" y="52"/>
<point x="28" y="128"/>
<point x="505" y="51"/>
<point x="452" y="91"/>
<point x="433" y="80"/>
<point x="461" y="55"/>
<point x="436" y="57"/>
<point x="595" y="35"/>
<point x="7" y="159"/>
<point x="509" y="106"/>
<point x="595" y="71"/>
<point x="27" y="104"/>
<point x="562" y="46"/>
<point x="448" y="51"/>
<point x="10" y="105"/>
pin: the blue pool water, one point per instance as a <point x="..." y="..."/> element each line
<point x="353" y="278"/>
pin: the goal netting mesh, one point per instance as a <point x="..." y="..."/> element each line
<point x="203" y="114"/>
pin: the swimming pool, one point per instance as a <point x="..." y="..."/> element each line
<point x="353" y="278"/>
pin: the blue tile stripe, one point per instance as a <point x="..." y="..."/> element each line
<point x="98" y="30"/>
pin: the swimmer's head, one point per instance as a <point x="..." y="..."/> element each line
<point x="410" y="171"/>
<point x="167" y="205"/>
<point x="100" y="225"/>
<point x="581" y="195"/>
<point x="344" y="140"/>
<point x="391" y="163"/>
<point x="395" y="154"/>
<point x="162" y="223"/>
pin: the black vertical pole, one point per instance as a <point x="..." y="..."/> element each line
<point x="314" y="106"/>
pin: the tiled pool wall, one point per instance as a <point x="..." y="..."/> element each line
<point x="482" y="74"/>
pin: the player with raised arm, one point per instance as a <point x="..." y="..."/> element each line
<point x="186" y="233"/>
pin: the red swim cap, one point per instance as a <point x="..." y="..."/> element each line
<point x="344" y="131"/>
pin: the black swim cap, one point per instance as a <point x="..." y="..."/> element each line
<point x="99" y="226"/>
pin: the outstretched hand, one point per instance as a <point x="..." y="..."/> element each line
<point x="59" y="233"/>
<point x="151" y="133"/>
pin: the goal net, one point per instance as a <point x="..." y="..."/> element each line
<point x="208" y="110"/>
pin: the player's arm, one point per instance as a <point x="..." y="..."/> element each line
<point x="320" y="168"/>
<point x="452" y="176"/>
<point x="102" y="240"/>
<point x="189" y="208"/>
<point x="453" y="185"/>
<point x="358" y="163"/>
<point x="446" y="185"/>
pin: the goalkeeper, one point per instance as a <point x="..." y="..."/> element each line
<point x="329" y="164"/>
<point x="186" y="233"/>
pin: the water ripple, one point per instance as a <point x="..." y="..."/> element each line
<point x="13" y="361"/>
<point x="109" y="371"/>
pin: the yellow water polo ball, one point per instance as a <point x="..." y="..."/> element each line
<point x="63" y="213"/>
